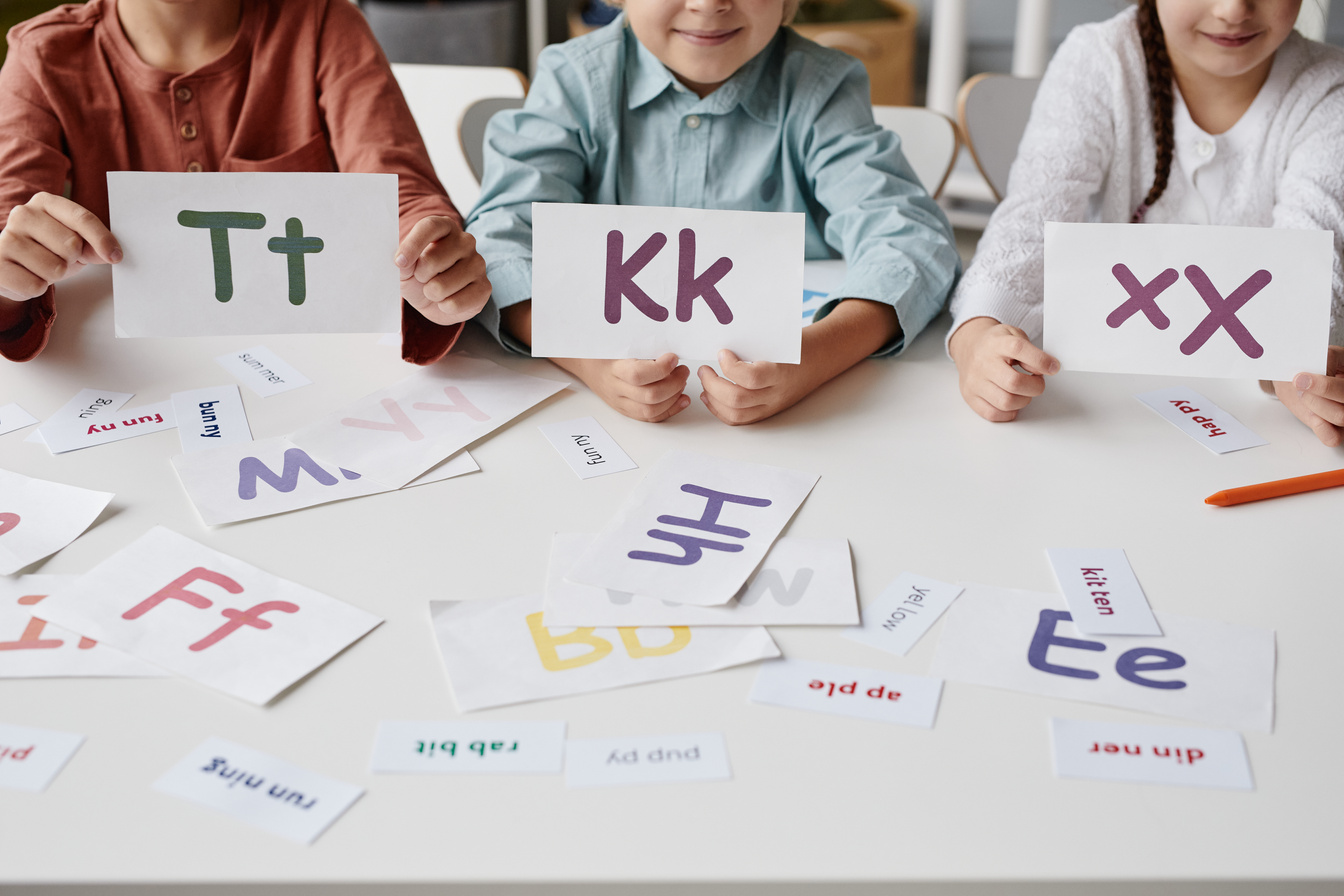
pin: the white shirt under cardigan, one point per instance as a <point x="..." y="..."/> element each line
<point x="1088" y="155"/>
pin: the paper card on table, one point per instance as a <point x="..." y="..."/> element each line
<point x="1103" y="594"/>
<point x="209" y="417"/>
<point x="262" y="371"/>
<point x="469" y="748"/>
<point x="395" y="434"/>
<point x="647" y="759"/>
<point x="141" y="421"/>
<point x="1201" y="419"/>
<point x="1202" y="670"/>
<point x="625" y="281"/>
<point x="249" y="253"/>
<point x="588" y="449"/>
<point x="459" y="464"/>
<point x="88" y="406"/>
<point x="872" y="694"/>
<point x="801" y="581"/>
<point x="260" y="789"/>
<point x="1187" y="300"/>
<point x="213" y="618"/>
<point x="31" y="758"/>
<point x="32" y="648"/>
<point x="498" y="652"/>
<point x="13" y="417"/>
<point x="903" y="612"/>
<point x="694" y="529"/>
<point x="1150" y="754"/>
<point x="821" y="277"/>
<point x="38" y="517"/>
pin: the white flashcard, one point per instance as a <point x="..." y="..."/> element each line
<point x="397" y="433"/>
<point x="903" y="612"/>
<point x="1205" y="671"/>
<point x="1201" y="419"/>
<point x="262" y="371"/>
<point x="459" y="464"/>
<point x="628" y="281"/>
<point x="1187" y="300"/>
<point x="801" y="581"/>
<point x="259" y="789"/>
<point x="39" y="517"/>
<point x="647" y="759"/>
<point x="31" y="758"/>
<point x="33" y="648"/>
<point x="208" y="616"/>
<point x="209" y="417"/>
<point x="1103" y="594"/>
<point x="588" y="449"/>
<point x="821" y="277"/>
<point x="1150" y="754"/>
<point x="498" y="652"/>
<point x="694" y="529"/>
<point x="249" y="253"/>
<point x="141" y="421"/>
<point x="88" y="406"/>
<point x="13" y="417"/>
<point x="872" y="694"/>
<point x="469" y="748"/>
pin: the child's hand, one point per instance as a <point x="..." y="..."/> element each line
<point x="442" y="274"/>
<point x="1318" y="401"/>
<point x="47" y="239"/>
<point x="751" y="391"/>
<point x="985" y="351"/>
<point x="643" y="390"/>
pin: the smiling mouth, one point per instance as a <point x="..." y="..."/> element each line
<point x="708" y="38"/>
<point x="1233" y="40"/>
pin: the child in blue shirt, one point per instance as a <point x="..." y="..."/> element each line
<point x="715" y="104"/>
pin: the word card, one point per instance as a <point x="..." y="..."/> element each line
<point x="213" y="618"/>
<point x="1202" y="670"/>
<point x="33" y="648"/>
<point x="1201" y="419"/>
<point x="694" y="529"/>
<point x="259" y="789"/>
<point x="31" y="758"/>
<point x="625" y="281"/>
<point x="588" y="449"/>
<point x="13" y="417"/>
<point x="650" y="759"/>
<point x="88" y="406"/>
<point x="141" y="421"/>
<point x="903" y="612"/>
<point x="801" y="581"/>
<point x="469" y="748"/>
<point x="209" y="417"/>
<point x="249" y="253"/>
<point x="1150" y="754"/>
<point x="498" y="652"/>
<point x="872" y="694"/>
<point x="395" y="434"/>
<point x="1188" y="300"/>
<point x="1102" y="592"/>
<point x="262" y="371"/>
<point x="39" y="517"/>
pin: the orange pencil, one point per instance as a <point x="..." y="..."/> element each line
<point x="1277" y="488"/>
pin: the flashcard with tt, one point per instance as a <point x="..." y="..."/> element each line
<point x="1201" y="419"/>
<point x="1188" y="300"/>
<point x="31" y="758"/>
<point x="251" y="253"/>
<point x="589" y="449"/>
<point x="209" y="417"/>
<point x="1150" y="754"/>
<point x="648" y="759"/>
<point x="208" y="616"/>
<point x="469" y="748"/>
<point x="873" y="694"/>
<point x="254" y="787"/>
<point x="1102" y="591"/>
<point x="694" y="529"/>
<point x="627" y="281"/>
<point x="903" y="612"/>
<point x="38" y="517"/>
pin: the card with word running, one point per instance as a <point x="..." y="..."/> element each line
<point x="254" y="253"/>
<point x="1188" y="300"/>
<point x="694" y="529"/>
<point x="627" y="281"/>
<point x="207" y="616"/>
<point x="38" y="517"/>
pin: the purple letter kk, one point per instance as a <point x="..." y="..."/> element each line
<point x="621" y="276"/>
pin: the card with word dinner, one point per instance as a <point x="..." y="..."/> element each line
<point x="39" y="517"/>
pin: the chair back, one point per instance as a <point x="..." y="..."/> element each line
<point x="993" y="112"/>
<point x="928" y="139"/>
<point x="471" y="132"/>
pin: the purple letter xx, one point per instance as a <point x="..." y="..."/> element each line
<point x="1223" y="312"/>
<point x="1141" y="297"/>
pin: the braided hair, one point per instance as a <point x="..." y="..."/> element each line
<point x="1160" y="80"/>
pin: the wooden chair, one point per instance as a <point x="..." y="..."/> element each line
<point x="928" y="139"/>
<point x="993" y="112"/>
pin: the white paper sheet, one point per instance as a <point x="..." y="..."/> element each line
<point x="213" y="618"/>
<point x="1150" y="754"/>
<point x="694" y="529"/>
<point x="873" y="694"/>
<point x="88" y="406"/>
<point x="649" y="759"/>
<point x="1201" y="670"/>
<point x="210" y="417"/>
<point x="38" y="517"/>
<point x="249" y="253"/>
<point x="13" y="417"/>
<point x="262" y="371"/>
<point x="903" y="612"/>
<point x="624" y="281"/>
<point x="589" y="449"/>
<point x="1187" y="300"/>
<point x="1102" y="592"/>
<point x="127" y="424"/>
<point x="1201" y="419"/>
<point x="801" y="581"/>
<point x="498" y="652"/>
<point x="469" y="748"/>
<point x="31" y="758"/>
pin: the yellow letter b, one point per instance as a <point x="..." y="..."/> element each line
<point x="546" y="644"/>
<point x="681" y="636"/>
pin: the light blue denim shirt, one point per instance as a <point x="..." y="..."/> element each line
<point x="790" y="131"/>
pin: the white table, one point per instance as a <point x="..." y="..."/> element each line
<point x="908" y="474"/>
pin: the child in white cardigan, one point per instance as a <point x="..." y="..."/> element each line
<point x="1177" y="111"/>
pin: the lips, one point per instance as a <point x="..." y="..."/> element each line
<point x="1233" y="41"/>
<point x="708" y="38"/>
